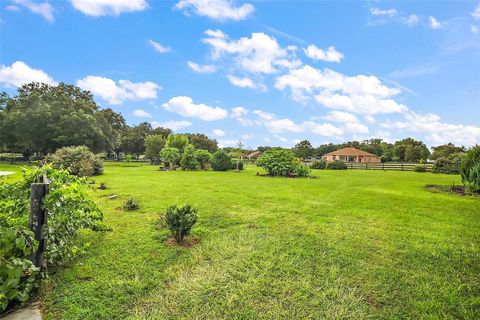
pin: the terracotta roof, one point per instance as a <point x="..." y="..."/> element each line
<point x="350" y="152"/>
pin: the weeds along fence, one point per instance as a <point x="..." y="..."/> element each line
<point x="397" y="166"/>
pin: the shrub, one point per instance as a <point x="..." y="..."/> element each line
<point x="70" y="210"/>
<point x="237" y="165"/>
<point x="450" y="164"/>
<point x="80" y="161"/>
<point x="279" y="162"/>
<point x="203" y="157"/>
<point x="170" y="156"/>
<point x="131" y="204"/>
<point x="318" y="164"/>
<point x="470" y="169"/>
<point x="189" y="161"/>
<point x="221" y="161"/>
<point x="180" y="220"/>
<point x="383" y="159"/>
<point x="420" y="168"/>
<point x="336" y="165"/>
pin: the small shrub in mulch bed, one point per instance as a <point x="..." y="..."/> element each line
<point x="131" y="204"/>
<point x="452" y="189"/>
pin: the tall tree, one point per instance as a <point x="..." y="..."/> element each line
<point x="43" y="118"/>
<point x="153" y="144"/>
<point x="303" y="149"/>
<point x="201" y="141"/>
<point x="179" y="141"/>
<point x="445" y="150"/>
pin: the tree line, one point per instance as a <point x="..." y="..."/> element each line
<point x="42" y="118"/>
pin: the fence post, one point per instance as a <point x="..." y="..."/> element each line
<point x="402" y="166"/>
<point x="38" y="221"/>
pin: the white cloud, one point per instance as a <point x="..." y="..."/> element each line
<point x="239" y="114"/>
<point x="475" y="29"/>
<point x="248" y="136"/>
<point x="98" y="8"/>
<point x="12" y="8"/>
<point x="340" y="116"/>
<point x="282" y="125"/>
<point x="114" y="93"/>
<point x="158" y="47"/>
<point x="142" y="113"/>
<point x="244" y="82"/>
<point x="216" y="9"/>
<point x="356" y="128"/>
<point x="174" y="125"/>
<point x="184" y="106"/>
<point x="357" y="94"/>
<point x="330" y="54"/>
<point x="227" y="143"/>
<point x="437" y="132"/>
<point x="219" y="132"/>
<point x="43" y="9"/>
<point x="20" y="73"/>
<point x="201" y="68"/>
<point x="380" y="12"/>
<point x="258" y="54"/>
<point x="476" y="12"/>
<point x="362" y="104"/>
<point x="411" y="20"/>
<point x="434" y="23"/>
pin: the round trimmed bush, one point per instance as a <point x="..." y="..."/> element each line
<point x="221" y="161"/>
<point x="280" y="162"/>
<point x="450" y="164"/>
<point x="336" y="165"/>
<point x="79" y="161"/>
<point x="420" y="168"/>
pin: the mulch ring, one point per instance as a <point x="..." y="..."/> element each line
<point x="458" y="190"/>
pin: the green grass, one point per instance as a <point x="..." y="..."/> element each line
<point x="351" y="244"/>
<point x="11" y="168"/>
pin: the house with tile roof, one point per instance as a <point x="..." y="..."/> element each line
<point x="352" y="155"/>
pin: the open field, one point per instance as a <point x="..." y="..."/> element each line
<point x="351" y="244"/>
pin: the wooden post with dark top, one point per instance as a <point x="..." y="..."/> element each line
<point x="38" y="221"/>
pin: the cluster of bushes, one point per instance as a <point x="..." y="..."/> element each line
<point x="177" y="152"/>
<point x="470" y="170"/>
<point x="318" y="164"/>
<point x="70" y="210"/>
<point x="79" y="161"/>
<point x="449" y="164"/>
<point x="280" y="162"/>
<point x="336" y="165"/>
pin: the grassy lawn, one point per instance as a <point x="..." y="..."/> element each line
<point x="10" y="168"/>
<point x="351" y="244"/>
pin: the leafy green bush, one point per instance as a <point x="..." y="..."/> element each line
<point x="170" y="156"/>
<point x="189" y="161"/>
<point x="203" y="157"/>
<point x="237" y="165"/>
<point x="131" y="204"/>
<point x="450" y="164"/>
<point x="420" y="168"/>
<point x="470" y="169"/>
<point x="180" y="220"/>
<point x="221" y="161"/>
<point x="336" y="165"/>
<point x="279" y="162"/>
<point x="318" y="164"/>
<point x="70" y="210"/>
<point x="80" y="161"/>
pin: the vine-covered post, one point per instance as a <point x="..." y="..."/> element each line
<point x="38" y="220"/>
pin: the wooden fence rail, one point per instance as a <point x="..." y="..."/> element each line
<point x="399" y="166"/>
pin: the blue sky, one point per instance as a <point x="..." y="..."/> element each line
<point x="264" y="73"/>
